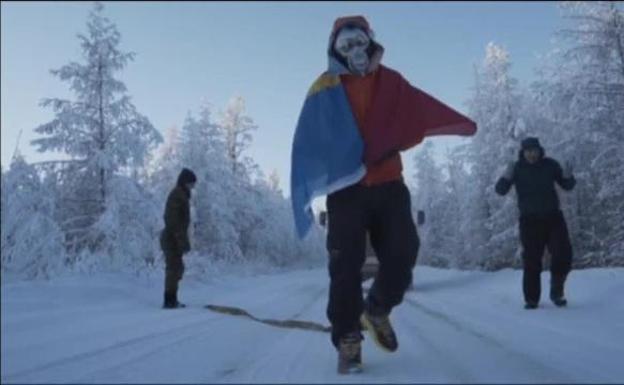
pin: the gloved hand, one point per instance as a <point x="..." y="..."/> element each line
<point x="509" y="171"/>
<point x="567" y="169"/>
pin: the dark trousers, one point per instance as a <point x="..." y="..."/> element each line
<point x="174" y="266"/>
<point x="384" y="211"/>
<point x="536" y="234"/>
<point x="174" y="271"/>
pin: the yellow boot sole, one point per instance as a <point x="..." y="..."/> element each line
<point x="368" y="326"/>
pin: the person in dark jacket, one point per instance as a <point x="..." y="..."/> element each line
<point x="174" y="239"/>
<point x="542" y="224"/>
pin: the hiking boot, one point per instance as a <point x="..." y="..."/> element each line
<point x="171" y="301"/>
<point x="350" y="354"/>
<point x="530" y="305"/>
<point x="559" y="301"/>
<point x="173" y="305"/>
<point x="556" y="291"/>
<point x="380" y="330"/>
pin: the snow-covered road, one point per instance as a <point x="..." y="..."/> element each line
<point x="460" y="327"/>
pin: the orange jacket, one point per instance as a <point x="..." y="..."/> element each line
<point x="360" y="91"/>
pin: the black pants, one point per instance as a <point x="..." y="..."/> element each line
<point x="537" y="233"/>
<point x="174" y="266"/>
<point x="384" y="211"/>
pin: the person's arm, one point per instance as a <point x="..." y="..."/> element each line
<point x="507" y="180"/>
<point x="564" y="177"/>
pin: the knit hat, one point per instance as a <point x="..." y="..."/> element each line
<point x="186" y="176"/>
<point x="356" y="21"/>
<point x="531" y="142"/>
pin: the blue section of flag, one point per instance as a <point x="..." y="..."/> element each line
<point x="327" y="151"/>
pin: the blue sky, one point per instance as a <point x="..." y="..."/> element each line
<point x="268" y="52"/>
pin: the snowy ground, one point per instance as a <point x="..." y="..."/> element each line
<point x="453" y="327"/>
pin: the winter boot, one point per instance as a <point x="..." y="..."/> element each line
<point x="556" y="291"/>
<point x="530" y="305"/>
<point x="350" y="354"/>
<point x="171" y="301"/>
<point x="380" y="330"/>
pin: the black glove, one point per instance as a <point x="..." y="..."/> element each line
<point x="509" y="171"/>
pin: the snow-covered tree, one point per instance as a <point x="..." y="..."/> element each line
<point x="200" y="140"/>
<point x="162" y="167"/>
<point x="495" y="105"/>
<point x="100" y="130"/>
<point x="237" y="128"/>
<point x="429" y="195"/>
<point x="202" y="149"/>
<point x="457" y="208"/>
<point x="578" y="105"/>
<point x="32" y="242"/>
<point x="274" y="181"/>
<point x="130" y="226"/>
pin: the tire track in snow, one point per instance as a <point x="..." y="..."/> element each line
<point x="584" y="339"/>
<point x="151" y="344"/>
<point x="59" y="315"/>
<point x="194" y="327"/>
<point x="300" y="358"/>
<point x="274" y="354"/>
<point x="307" y="305"/>
<point x="517" y="358"/>
<point x="435" y="358"/>
<point x="73" y="359"/>
<point x="203" y="332"/>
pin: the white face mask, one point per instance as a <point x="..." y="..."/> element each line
<point x="352" y="43"/>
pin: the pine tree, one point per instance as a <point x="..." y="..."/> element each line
<point x="579" y="103"/>
<point x="429" y="196"/>
<point x="274" y="181"/>
<point x="237" y="128"/>
<point x="457" y="219"/>
<point x="496" y="107"/>
<point x="100" y="130"/>
<point x="202" y="148"/>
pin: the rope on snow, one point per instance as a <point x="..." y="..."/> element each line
<point x="289" y="323"/>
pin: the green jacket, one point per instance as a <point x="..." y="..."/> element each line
<point x="177" y="216"/>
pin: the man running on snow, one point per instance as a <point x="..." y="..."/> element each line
<point x="541" y="221"/>
<point x="357" y="117"/>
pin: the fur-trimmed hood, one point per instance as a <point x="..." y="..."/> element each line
<point x="336" y="65"/>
